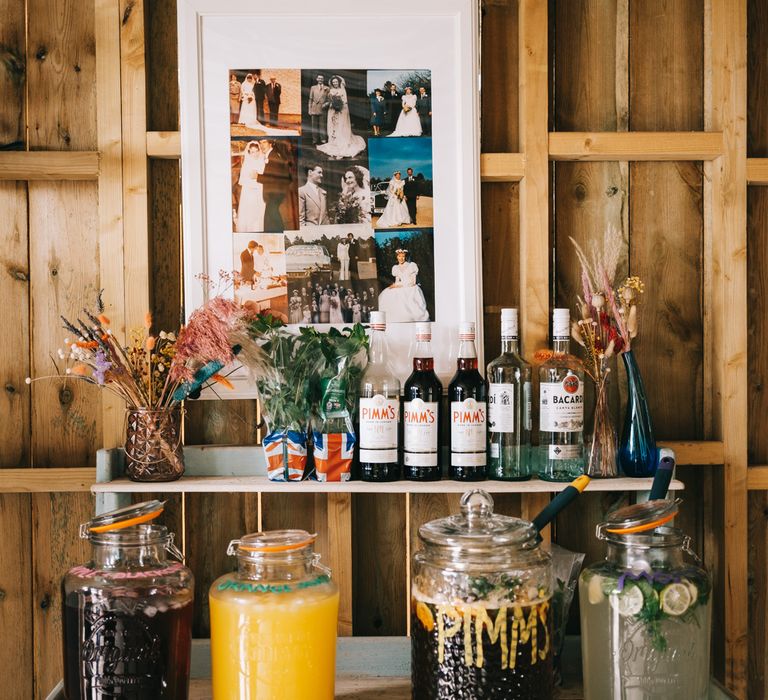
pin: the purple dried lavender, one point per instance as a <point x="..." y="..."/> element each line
<point x="101" y="366"/>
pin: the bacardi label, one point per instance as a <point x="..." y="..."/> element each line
<point x="562" y="406"/>
<point x="379" y="418"/>
<point x="468" y="426"/>
<point x="420" y="432"/>
<point x="501" y="408"/>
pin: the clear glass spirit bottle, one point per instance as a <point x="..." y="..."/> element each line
<point x="561" y="407"/>
<point x="422" y="413"/>
<point x="509" y="407"/>
<point x="379" y="410"/>
<point x="468" y="397"/>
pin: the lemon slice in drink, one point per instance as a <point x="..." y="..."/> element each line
<point x="691" y="589"/>
<point x="425" y="616"/>
<point x="595" y="589"/>
<point x="675" y="599"/>
<point x="629" y="601"/>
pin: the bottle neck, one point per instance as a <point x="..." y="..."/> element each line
<point x="276" y="567"/>
<point x="467" y="350"/>
<point x="561" y="345"/>
<point x="423" y="360"/>
<point x="510" y="345"/>
<point x="379" y="349"/>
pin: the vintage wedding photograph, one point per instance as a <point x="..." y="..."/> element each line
<point x="334" y="193"/>
<point x="401" y="102"/>
<point x="265" y="102"/>
<point x="332" y="274"/>
<point x="405" y="261"/>
<point x="260" y="275"/>
<point x="335" y="114"/>
<point x="264" y="185"/>
<point x="401" y="182"/>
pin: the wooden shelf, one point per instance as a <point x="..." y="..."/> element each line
<point x="261" y="484"/>
<point x="47" y="480"/>
<point x="757" y="171"/>
<point x="636" y="145"/>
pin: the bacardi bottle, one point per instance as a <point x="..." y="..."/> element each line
<point x="509" y="407"/>
<point x="422" y="399"/>
<point x="468" y="396"/>
<point x="379" y="412"/>
<point x="561" y="408"/>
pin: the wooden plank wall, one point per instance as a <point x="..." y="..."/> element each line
<point x="757" y="319"/>
<point x="615" y="65"/>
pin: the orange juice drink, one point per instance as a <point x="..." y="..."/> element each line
<point x="273" y="629"/>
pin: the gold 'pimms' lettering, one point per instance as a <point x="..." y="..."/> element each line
<point x="444" y="611"/>
<point x="524" y="629"/>
<point x="497" y="632"/>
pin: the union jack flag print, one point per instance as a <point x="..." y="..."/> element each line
<point x="333" y="455"/>
<point x="286" y="452"/>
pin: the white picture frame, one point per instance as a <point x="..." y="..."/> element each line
<point x="443" y="36"/>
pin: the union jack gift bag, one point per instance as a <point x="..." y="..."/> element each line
<point x="286" y="452"/>
<point x="333" y="454"/>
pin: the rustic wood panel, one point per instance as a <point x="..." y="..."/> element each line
<point x="162" y="59"/>
<point x="12" y="75"/>
<point x="61" y="75"/>
<point x="64" y="278"/>
<point x="501" y="241"/>
<point x="590" y="94"/>
<point x="14" y="353"/>
<point x="56" y="548"/>
<point x="499" y="52"/>
<point x="16" y="653"/>
<point x="757" y="288"/>
<point x="379" y="592"/>
<point x="757" y="80"/>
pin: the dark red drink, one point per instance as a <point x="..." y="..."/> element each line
<point x="510" y="658"/>
<point x="133" y="646"/>
<point x="422" y="398"/>
<point x="468" y="400"/>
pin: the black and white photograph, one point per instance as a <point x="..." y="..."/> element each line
<point x="401" y="182"/>
<point x="260" y="274"/>
<point x="401" y="102"/>
<point x="335" y="114"/>
<point x="265" y="102"/>
<point x="264" y="185"/>
<point x="332" y="274"/>
<point x="334" y="193"/>
<point x="405" y="261"/>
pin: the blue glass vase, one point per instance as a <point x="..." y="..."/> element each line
<point x="638" y="456"/>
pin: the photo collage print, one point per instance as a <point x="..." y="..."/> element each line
<point x="332" y="207"/>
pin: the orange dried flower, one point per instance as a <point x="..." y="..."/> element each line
<point x="147" y="320"/>
<point x="88" y="344"/>
<point x="150" y="343"/>
<point x="541" y="356"/>
<point x="103" y="320"/>
<point x="81" y="370"/>
<point x="221" y="379"/>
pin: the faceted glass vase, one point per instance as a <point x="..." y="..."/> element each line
<point x="638" y="456"/>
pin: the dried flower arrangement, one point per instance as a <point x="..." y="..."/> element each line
<point x="607" y="324"/>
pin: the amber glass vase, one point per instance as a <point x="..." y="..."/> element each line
<point x="153" y="450"/>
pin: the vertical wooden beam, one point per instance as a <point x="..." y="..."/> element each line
<point x="339" y="519"/>
<point x="725" y="67"/>
<point x="534" y="189"/>
<point x="134" y="134"/>
<point x="109" y="133"/>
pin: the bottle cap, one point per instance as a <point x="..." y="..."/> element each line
<point x="467" y="330"/>
<point x="561" y="323"/>
<point x="378" y="320"/>
<point x="423" y="332"/>
<point x="509" y="323"/>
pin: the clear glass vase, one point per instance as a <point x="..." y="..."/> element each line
<point x="602" y="445"/>
<point x="153" y="450"/>
<point x="638" y="456"/>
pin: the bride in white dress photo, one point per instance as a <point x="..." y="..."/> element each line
<point x="403" y="301"/>
<point x="396" y="212"/>
<point x="249" y="114"/>
<point x="408" y="123"/>
<point x="250" y="210"/>
<point x="342" y="143"/>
